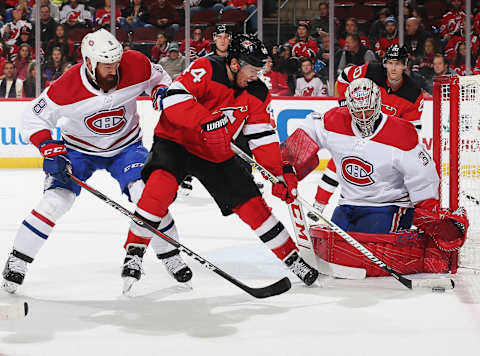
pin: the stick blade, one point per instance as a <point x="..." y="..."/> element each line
<point x="276" y="288"/>
<point x="445" y="283"/>
<point x="13" y="311"/>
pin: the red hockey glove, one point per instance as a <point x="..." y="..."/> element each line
<point x="448" y="229"/>
<point x="286" y="188"/>
<point x="55" y="162"/>
<point x="216" y="137"/>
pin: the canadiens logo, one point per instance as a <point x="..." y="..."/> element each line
<point x="389" y="110"/>
<point x="357" y="171"/>
<point x="107" y="122"/>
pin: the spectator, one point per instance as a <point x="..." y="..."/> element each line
<point x="102" y="15"/>
<point x="10" y="86"/>
<point x="322" y="61"/>
<point x="11" y="30"/>
<point x="390" y="37"/>
<point x="160" y="49"/>
<point x="415" y="37"/>
<point x="54" y="66"/>
<point x="282" y="62"/>
<point x="247" y="6"/>
<point x="22" y="61"/>
<point x="61" y="40"/>
<point x="221" y="40"/>
<point x="3" y="60"/>
<point x="164" y="16"/>
<point x="29" y="83"/>
<point x="452" y="20"/>
<point x="53" y="11"/>
<point x="199" y="46"/>
<point x="320" y="22"/>
<point x="451" y="48"/>
<point x="354" y="53"/>
<point x="424" y="64"/>
<point x="197" y="5"/>
<point x="27" y="10"/>
<point x="74" y="15"/>
<point x="351" y="28"/>
<point x="47" y="25"/>
<point x="58" y="3"/>
<point x="458" y="65"/>
<point x="309" y="84"/>
<point x="174" y="63"/>
<point x="136" y="15"/>
<point x="275" y="81"/>
<point x="377" y="30"/>
<point x="303" y="45"/>
<point x="26" y="37"/>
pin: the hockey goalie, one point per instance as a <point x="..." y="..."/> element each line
<point x="388" y="184"/>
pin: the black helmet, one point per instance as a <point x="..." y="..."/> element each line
<point x="248" y="49"/>
<point x="221" y="28"/>
<point x="396" y="52"/>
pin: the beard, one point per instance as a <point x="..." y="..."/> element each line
<point x="107" y="83"/>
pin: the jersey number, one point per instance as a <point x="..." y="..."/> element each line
<point x="357" y="72"/>
<point x="197" y="73"/>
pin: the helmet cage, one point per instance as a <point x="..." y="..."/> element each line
<point x="363" y="95"/>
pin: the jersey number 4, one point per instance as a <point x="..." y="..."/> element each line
<point x="197" y="73"/>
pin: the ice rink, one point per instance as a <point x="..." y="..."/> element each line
<point x="76" y="307"/>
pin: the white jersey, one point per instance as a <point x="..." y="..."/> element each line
<point x="391" y="167"/>
<point x="15" y="30"/>
<point x="96" y="122"/>
<point x="312" y="87"/>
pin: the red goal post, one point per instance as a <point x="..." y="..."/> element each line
<point x="456" y="152"/>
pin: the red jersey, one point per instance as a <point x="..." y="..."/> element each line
<point x="201" y="94"/>
<point x="307" y="49"/>
<point x="451" y="48"/>
<point x="405" y="102"/>
<point x="197" y="48"/>
<point x="382" y="45"/>
<point x="279" y="84"/>
<point x="452" y="22"/>
<point x="363" y="40"/>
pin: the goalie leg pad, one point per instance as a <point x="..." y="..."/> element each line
<point x="300" y="151"/>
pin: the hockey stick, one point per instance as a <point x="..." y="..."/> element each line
<point x="276" y="288"/>
<point x="442" y="283"/>
<point x="13" y="311"/>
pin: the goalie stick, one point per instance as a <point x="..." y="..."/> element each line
<point x="445" y="283"/>
<point x="276" y="288"/>
<point x="13" y="311"/>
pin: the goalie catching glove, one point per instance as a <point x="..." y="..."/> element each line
<point x="447" y="228"/>
<point x="286" y="188"/>
<point x="55" y="161"/>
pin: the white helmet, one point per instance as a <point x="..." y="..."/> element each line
<point x="100" y="47"/>
<point x="363" y="95"/>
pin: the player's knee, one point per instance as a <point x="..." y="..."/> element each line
<point x="159" y="193"/>
<point x="254" y="212"/>
<point x="55" y="203"/>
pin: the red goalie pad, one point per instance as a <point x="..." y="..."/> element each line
<point x="407" y="251"/>
<point x="300" y="151"/>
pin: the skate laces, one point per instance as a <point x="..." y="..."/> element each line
<point x="174" y="264"/>
<point x="16" y="264"/>
<point x="300" y="268"/>
<point x="134" y="262"/>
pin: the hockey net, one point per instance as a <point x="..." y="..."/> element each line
<point x="456" y="151"/>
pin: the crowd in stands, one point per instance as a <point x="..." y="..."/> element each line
<point x="434" y="36"/>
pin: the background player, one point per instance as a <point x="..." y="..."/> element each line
<point x="384" y="170"/>
<point x="101" y="131"/>
<point x="204" y="109"/>
<point x="400" y="96"/>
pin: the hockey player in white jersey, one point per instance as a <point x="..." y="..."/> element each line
<point x="384" y="170"/>
<point x="100" y="131"/>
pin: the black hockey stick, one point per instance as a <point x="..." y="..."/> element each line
<point x="277" y="288"/>
<point x="442" y="283"/>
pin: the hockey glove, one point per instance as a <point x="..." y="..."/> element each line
<point x="448" y="229"/>
<point x="158" y="94"/>
<point x="55" y="161"/>
<point x="286" y="188"/>
<point x="216" y="137"/>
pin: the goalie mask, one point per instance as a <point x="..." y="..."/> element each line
<point x="364" y="104"/>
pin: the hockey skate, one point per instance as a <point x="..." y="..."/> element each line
<point x="14" y="272"/>
<point x="176" y="267"/>
<point x="301" y="269"/>
<point x="185" y="187"/>
<point x="132" y="266"/>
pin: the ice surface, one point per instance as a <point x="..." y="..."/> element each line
<point x="76" y="308"/>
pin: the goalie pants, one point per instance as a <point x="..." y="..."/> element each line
<point x="230" y="185"/>
<point x="373" y="219"/>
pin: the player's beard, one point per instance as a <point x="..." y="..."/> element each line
<point x="107" y="83"/>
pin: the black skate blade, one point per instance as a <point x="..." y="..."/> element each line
<point x="277" y="288"/>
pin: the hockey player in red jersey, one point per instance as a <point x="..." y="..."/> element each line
<point x="204" y="109"/>
<point x="401" y="97"/>
<point x="100" y="131"/>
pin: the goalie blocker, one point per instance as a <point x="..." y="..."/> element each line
<point x="430" y="249"/>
